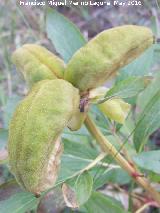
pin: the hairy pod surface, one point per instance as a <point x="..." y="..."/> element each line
<point x="115" y="109"/>
<point x="77" y="120"/>
<point x="34" y="134"/>
<point x="37" y="63"/>
<point x="105" y="54"/>
<point x="86" y="100"/>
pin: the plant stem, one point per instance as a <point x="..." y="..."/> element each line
<point x="145" y="206"/>
<point x="107" y="147"/>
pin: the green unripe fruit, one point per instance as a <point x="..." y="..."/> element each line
<point x="115" y="109"/>
<point x="77" y="120"/>
<point x="104" y="55"/>
<point x="37" y="63"/>
<point x="34" y="134"/>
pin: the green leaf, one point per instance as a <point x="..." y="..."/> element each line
<point x="83" y="187"/>
<point x="2" y="96"/>
<point x="148" y="122"/>
<point x="149" y="92"/>
<point x="65" y="36"/>
<point x="3" y="143"/>
<point x="156" y="53"/>
<point x="79" y="150"/>
<point x="139" y="67"/>
<point x="19" y="203"/>
<point x="70" y="165"/>
<point x="99" y="203"/>
<point x="3" y="138"/>
<point x="149" y="161"/>
<point x="9" y="109"/>
<point x="81" y="136"/>
<point x="153" y="176"/>
<point x="127" y="88"/>
<point x="117" y="176"/>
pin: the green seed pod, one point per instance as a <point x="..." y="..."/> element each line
<point x="105" y="54"/>
<point x="115" y="109"/>
<point x="34" y="134"/>
<point x="37" y="63"/>
<point x="93" y="96"/>
<point x="77" y="120"/>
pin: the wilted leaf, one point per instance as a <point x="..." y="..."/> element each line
<point x="53" y="201"/>
<point x="69" y="196"/>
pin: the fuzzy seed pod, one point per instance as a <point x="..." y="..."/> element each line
<point x="77" y="120"/>
<point x="93" y="96"/>
<point x="37" y="63"/>
<point x="115" y="109"/>
<point x="105" y="54"/>
<point x="34" y="134"/>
